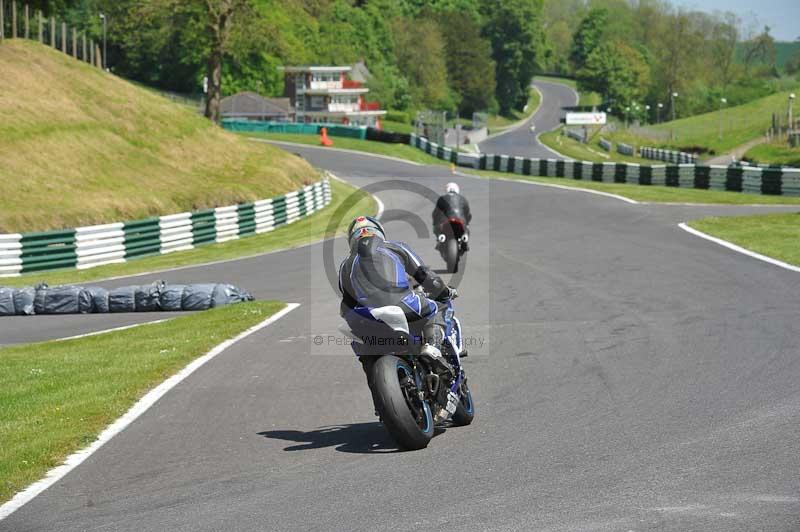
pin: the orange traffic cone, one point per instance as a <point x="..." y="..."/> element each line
<point x="323" y="138"/>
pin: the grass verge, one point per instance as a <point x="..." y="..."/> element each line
<point x="774" y="153"/>
<point x="301" y="232"/>
<point x="497" y="123"/>
<point x="401" y="151"/>
<point x="653" y="193"/>
<point x="774" y="235"/>
<point x="586" y="152"/>
<point x="56" y="397"/>
<point x="81" y="146"/>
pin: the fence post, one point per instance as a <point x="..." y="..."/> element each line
<point x="41" y="29"/>
<point x="13" y="19"/>
<point x="52" y="32"/>
<point x="74" y="43"/>
<point x="99" y="56"/>
<point x="2" y="21"/>
<point x="27" y="22"/>
<point x="64" y="37"/>
<point x="83" y="47"/>
<point x="91" y="52"/>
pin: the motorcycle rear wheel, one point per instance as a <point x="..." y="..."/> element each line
<point x="408" y="419"/>
<point x="451" y="255"/>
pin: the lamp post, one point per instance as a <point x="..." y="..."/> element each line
<point x="646" y="113"/>
<point x="673" y="96"/>
<point x="105" y="59"/>
<point x="722" y="101"/>
<point x="627" y="112"/>
<point x="791" y="102"/>
<point x="659" y="107"/>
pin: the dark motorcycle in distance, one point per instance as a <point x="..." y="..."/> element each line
<point x="410" y="396"/>
<point x="452" y="238"/>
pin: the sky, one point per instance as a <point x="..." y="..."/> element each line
<point x="782" y="16"/>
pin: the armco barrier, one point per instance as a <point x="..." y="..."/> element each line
<point x="626" y="149"/>
<point x="669" y="156"/>
<point x="96" y="245"/>
<point x="755" y="180"/>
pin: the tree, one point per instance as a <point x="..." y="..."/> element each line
<point x="617" y="71"/>
<point x="513" y="28"/>
<point x="470" y="69"/>
<point x="421" y="57"/>
<point x="793" y="64"/>
<point x="760" y="49"/>
<point x="220" y="18"/>
<point x="588" y="37"/>
<point x="724" y="38"/>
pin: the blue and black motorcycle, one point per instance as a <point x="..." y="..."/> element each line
<point x="410" y="396"/>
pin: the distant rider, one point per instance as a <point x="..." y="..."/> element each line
<point x="376" y="274"/>
<point x="451" y="205"/>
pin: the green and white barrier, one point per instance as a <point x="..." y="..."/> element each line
<point x="96" y="245"/>
<point x="749" y="179"/>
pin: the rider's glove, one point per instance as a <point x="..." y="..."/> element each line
<point x="447" y="294"/>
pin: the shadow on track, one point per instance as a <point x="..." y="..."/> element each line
<point x="353" y="438"/>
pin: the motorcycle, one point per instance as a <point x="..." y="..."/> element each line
<point x="452" y="240"/>
<point x="410" y="396"/>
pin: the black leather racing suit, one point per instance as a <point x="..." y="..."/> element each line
<point x="451" y="205"/>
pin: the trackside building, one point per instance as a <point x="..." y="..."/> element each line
<point x="324" y="94"/>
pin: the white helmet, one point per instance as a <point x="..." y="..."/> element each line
<point x="452" y="187"/>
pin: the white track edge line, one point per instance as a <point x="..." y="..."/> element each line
<point x="141" y="406"/>
<point x="739" y="249"/>
<point x="552" y="185"/>
<point x="104" y="331"/>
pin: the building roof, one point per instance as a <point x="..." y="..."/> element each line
<point x="298" y="69"/>
<point x="253" y="104"/>
<point x="360" y="72"/>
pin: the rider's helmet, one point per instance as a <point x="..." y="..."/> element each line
<point x="452" y="188"/>
<point x="362" y="226"/>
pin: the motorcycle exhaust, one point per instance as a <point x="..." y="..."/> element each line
<point x="431" y="381"/>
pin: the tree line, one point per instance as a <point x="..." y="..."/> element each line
<point x="643" y="52"/>
<point x="457" y="55"/>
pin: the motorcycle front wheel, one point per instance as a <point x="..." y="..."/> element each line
<point x="465" y="411"/>
<point x="408" y="418"/>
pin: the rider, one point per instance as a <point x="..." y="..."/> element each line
<point x="376" y="273"/>
<point x="452" y="205"/>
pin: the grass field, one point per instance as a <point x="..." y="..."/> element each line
<point x="56" y="397"/>
<point x="585" y="152"/>
<point x="401" y="151"/>
<point x="654" y="194"/>
<point x="302" y="232"/>
<point x="397" y="127"/>
<point x="774" y="153"/>
<point x="739" y="124"/>
<point x="80" y="146"/>
<point x="774" y="235"/>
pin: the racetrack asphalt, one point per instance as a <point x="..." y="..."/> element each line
<point x="634" y="377"/>
<point x="521" y="141"/>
